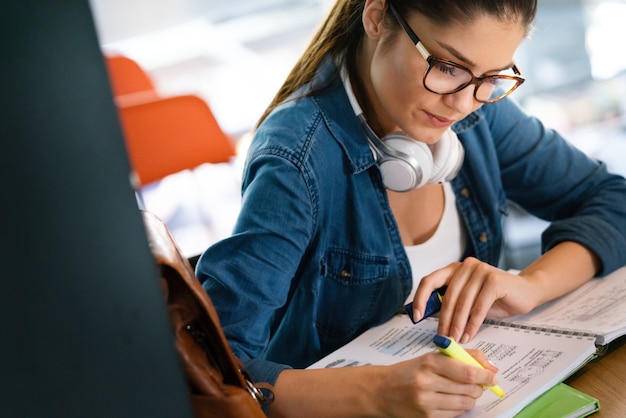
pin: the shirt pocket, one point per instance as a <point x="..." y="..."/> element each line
<point x="350" y="295"/>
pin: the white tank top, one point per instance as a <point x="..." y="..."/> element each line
<point x="446" y="245"/>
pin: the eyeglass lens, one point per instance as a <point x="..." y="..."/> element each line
<point x="445" y="77"/>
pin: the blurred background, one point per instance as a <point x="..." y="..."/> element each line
<point x="235" y="55"/>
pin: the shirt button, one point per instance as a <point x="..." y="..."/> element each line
<point x="465" y="192"/>
<point x="483" y="237"/>
<point x="345" y="274"/>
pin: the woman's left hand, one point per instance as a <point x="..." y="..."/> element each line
<point x="475" y="290"/>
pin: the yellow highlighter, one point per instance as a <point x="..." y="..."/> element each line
<point x="451" y="348"/>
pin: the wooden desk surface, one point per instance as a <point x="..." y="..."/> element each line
<point x="605" y="379"/>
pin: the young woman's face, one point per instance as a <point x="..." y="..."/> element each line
<point x="395" y="89"/>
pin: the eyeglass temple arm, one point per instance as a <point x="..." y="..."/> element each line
<point x="418" y="44"/>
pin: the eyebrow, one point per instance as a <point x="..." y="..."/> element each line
<point x="466" y="60"/>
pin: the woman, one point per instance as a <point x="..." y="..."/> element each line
<point x="338" y="229"/>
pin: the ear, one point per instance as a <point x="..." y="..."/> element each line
<point x="373" y="17"/>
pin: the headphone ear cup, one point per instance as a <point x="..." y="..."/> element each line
<point x="448" y="156"/>
<point x="407" y="172"/>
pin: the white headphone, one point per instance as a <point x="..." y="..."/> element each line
<point x="406" y="163"/>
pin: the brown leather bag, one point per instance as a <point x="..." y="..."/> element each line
<point x="218" y="383"/>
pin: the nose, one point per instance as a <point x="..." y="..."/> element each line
<point x="462" y="101"/>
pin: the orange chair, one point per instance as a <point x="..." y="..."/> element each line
<point x="164" y="135"/>
<point x="127" y="77"/>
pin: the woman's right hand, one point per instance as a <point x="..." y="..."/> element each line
<point x="431" y="385"/>
<point x="435" y="385"/>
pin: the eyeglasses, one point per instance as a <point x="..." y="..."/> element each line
<point x="447" y="77"/>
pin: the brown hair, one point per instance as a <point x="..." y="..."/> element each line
<point x="342" y="31"/>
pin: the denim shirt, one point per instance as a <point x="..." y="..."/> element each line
<point x="316" y="257"/>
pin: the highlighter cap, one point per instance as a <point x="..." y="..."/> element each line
<point x="441" y="341"/>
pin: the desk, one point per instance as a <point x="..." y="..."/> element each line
<point x="605" y="378"/>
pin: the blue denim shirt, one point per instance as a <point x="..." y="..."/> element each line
<point x="316" y="256"/>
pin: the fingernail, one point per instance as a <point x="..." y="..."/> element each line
<point x="465" y="338"/>
<point x="416" y="315"/>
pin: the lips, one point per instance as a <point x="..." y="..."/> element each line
<point x="439" y="121"/>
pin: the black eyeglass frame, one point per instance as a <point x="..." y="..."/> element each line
<point x="476" y="81"/>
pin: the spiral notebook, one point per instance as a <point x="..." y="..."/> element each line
<point x="595" y="309"/>
<point x="533" y="352"/>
